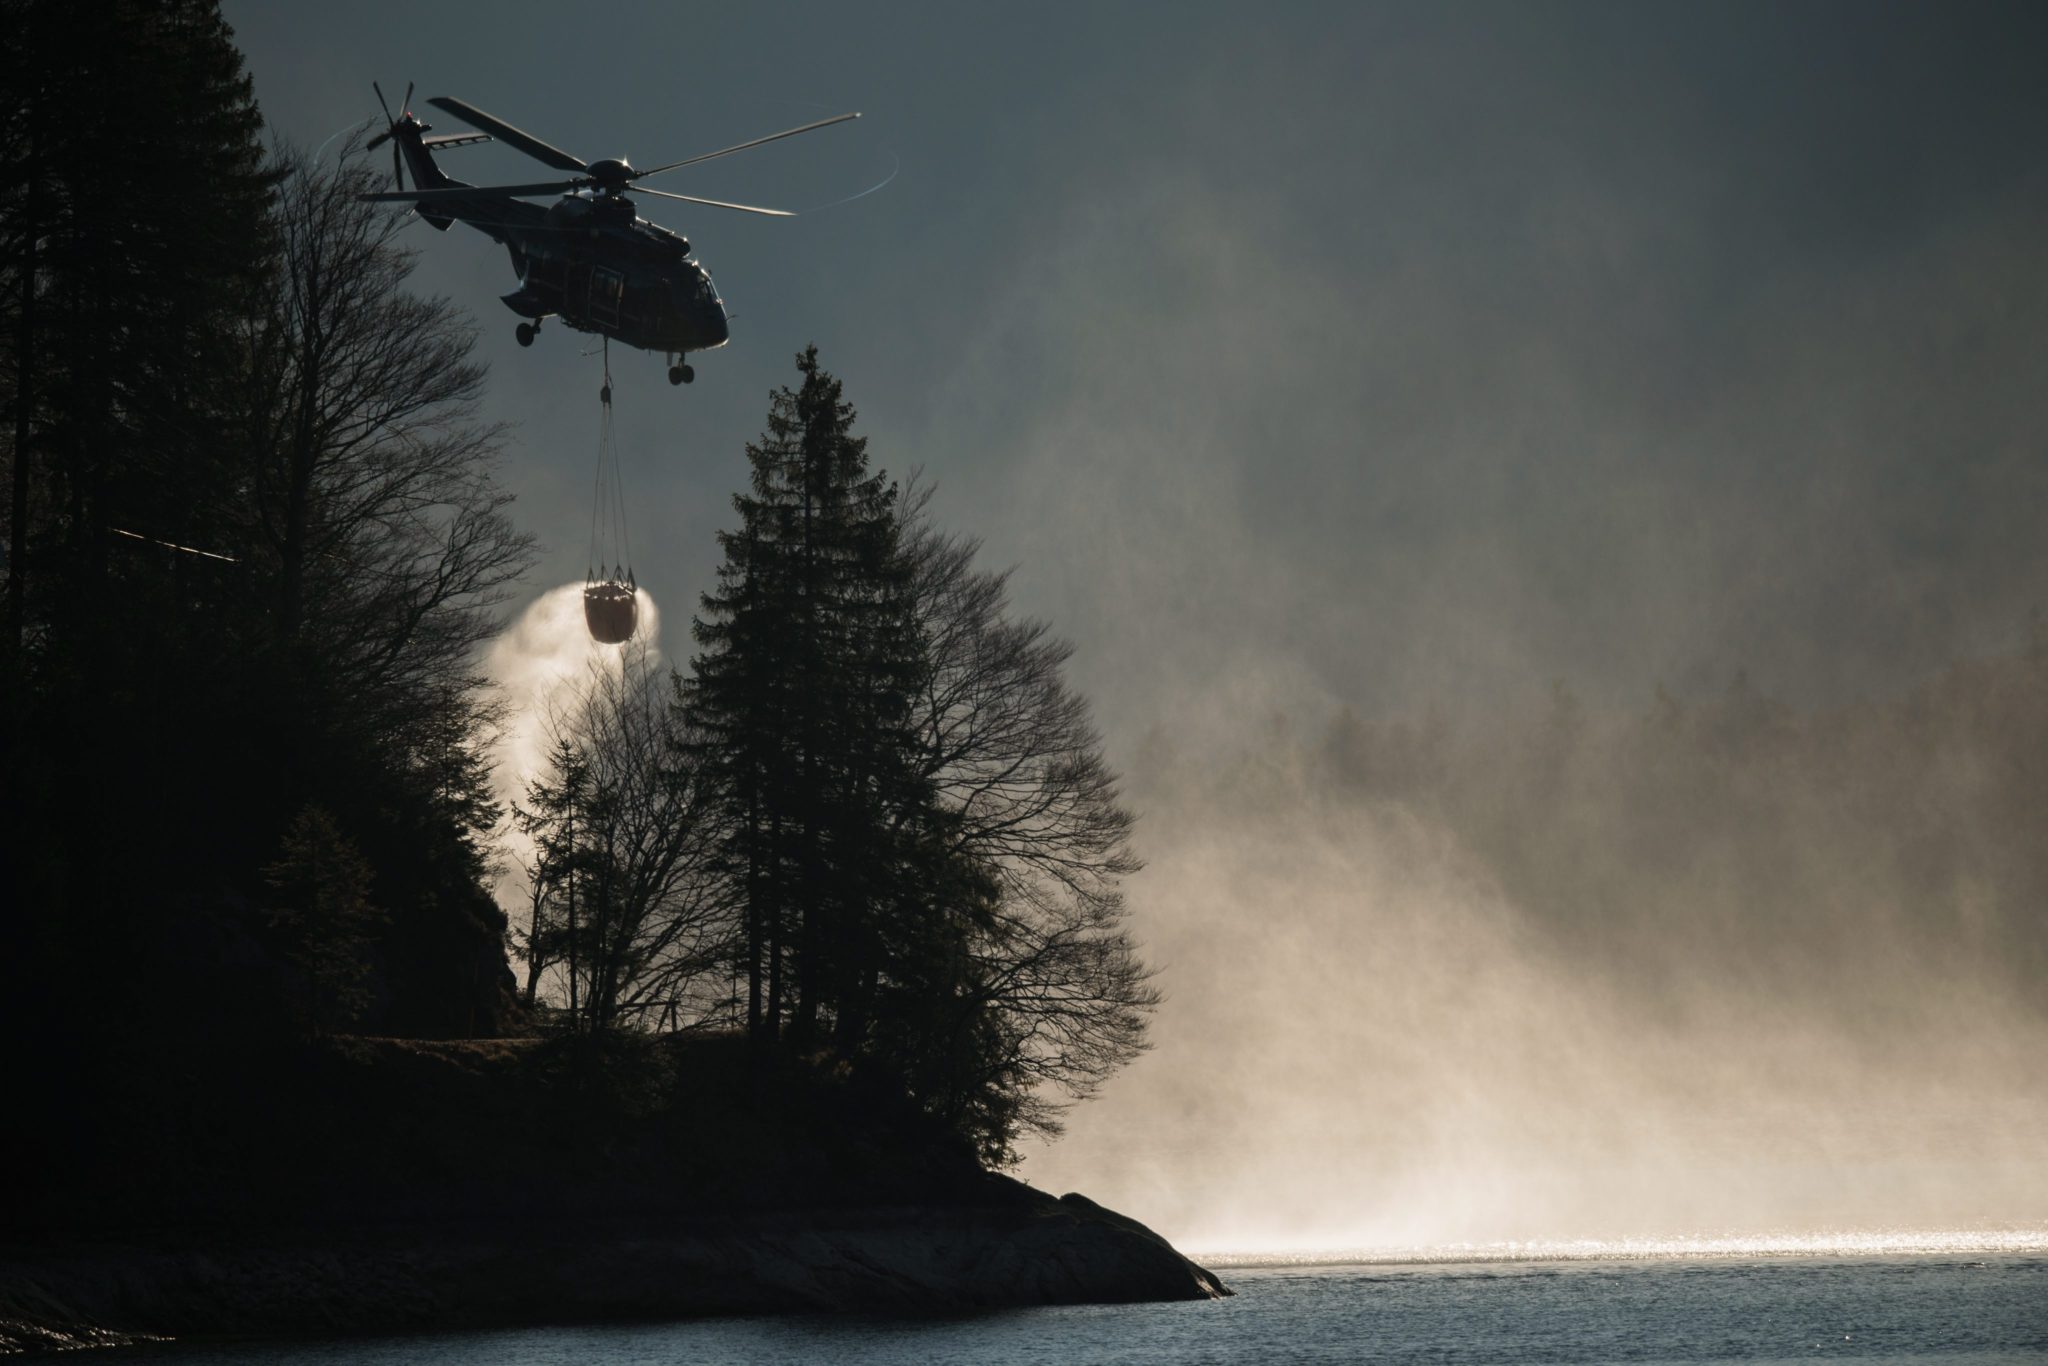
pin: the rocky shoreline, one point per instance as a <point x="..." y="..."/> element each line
<point x="1017" y="1253"/>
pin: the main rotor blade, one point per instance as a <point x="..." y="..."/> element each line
<point x="714" y="203"/>
<point x="380" y="100"/>
<point x="475" y="192"/>
<point x="513" y="225"/>
<point x="525" y="142"/>
<point x="743" y="146"/>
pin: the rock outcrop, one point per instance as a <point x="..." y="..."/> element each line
<point x="1032" y="1250"/>
<point x="372" y="1185"/>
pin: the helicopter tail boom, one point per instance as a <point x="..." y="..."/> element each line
<point x="409" y="140"/>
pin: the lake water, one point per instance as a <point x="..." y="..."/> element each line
<point x="1952" y="1308"/>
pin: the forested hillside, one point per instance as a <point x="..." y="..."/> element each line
<point x="253" y="537"/>
<point x="255" y="543"/>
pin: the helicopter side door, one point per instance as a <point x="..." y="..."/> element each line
<point x="607" y="291"/>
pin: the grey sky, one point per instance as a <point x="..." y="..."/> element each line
<point x="1376" y="346"/>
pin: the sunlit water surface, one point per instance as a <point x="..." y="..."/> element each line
<point x="1956" y="1306"/>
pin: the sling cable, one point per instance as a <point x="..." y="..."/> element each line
<point x="610" y="597"/>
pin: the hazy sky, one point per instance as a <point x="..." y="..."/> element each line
<point x="1302" y="356"/>
<point x="1355" y="351"/>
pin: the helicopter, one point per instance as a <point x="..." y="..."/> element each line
<point x="588" y="258"/>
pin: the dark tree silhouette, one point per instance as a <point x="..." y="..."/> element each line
<point x="551" y="818"/>
<point x="133" y="233"/>
<point x="321" y="913"/>
<point x="628" y="909"/>
<point x="799" y="701"/>
<point x="260" y="544"/>
<point x="925" y="839"/>
<point x="375" y="550"/>
<point x="377" y="516"/>
<point x="1047" y="980"/>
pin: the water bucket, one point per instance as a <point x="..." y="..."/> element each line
<point x="611" y="611"/>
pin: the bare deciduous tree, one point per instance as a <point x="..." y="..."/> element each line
<point x="1014" y="758"/>
<point x="374" y="482"/>
<point x="632" y="917"/>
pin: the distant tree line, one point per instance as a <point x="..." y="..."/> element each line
<point x="872" y="820"/>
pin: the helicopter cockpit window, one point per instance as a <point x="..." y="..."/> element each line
<point x="696" y="285"/>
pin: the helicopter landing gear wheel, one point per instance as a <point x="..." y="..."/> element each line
<point x="681" y="374"/>
<point x="525" y="332"/>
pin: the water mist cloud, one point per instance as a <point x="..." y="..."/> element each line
<point x="1558" y="401"/>
<point x="540" y="666"/>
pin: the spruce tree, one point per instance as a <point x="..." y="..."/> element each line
<point x="165" y="715"/>
<point x="801" y="697"/>
<point x="134" y="235"/>
<point x="927" y="837"/>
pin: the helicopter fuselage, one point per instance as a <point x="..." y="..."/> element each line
<point x="588" y="259"/>
<point x="600" y="268"/>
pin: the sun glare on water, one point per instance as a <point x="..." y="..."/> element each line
<point x="1884" y="1242"/>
